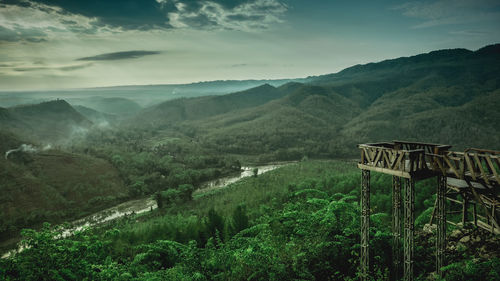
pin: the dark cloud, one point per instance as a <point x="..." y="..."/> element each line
<point x="243" y="17"/>
<point x="239" y="65"/>
<point x="61" y="68"/>
<point x="127" y="14"/>
<point x="159" y="14"/>
<point x="75" y="67"/>
<point x="233" y="15"/>
<point x="119" y="55"/>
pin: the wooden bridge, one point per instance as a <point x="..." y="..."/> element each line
<point x="470" y="179"/>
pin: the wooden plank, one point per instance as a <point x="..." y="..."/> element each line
<point x="441" y="168"/>
<point x="385" y="170"/>
<point x="367" y="155"/>
<point x="433" y="211"/>
<point x="480" y="201"/>
<point x="471" y="168"/>
<point x="487" y="227"/>
<point x="480" y="165"/>
<point x="393" y="158"/>
<point x="378" y="155"/>
<point x="398" y="161"/>
<point x="452" y="166"/>
<point x="387" y="161"/>
<point x="492" y="169"/>
<point x="454" y="200"/>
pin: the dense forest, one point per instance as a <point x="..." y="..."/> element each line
<point x="69" y="157"/>
<point x="300" y="222"/>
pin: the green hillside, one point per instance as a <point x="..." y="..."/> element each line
<point x="108" y="105"/>
<point x="44" y="184"/>
<point x="46" y="122"/>
<point x="97" y="117"/>
<point x="447" y="96"/>
<point x="299" y="222"/>
<point x="171" y="112"/>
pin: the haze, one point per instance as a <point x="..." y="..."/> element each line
<point x="75" y="44"/>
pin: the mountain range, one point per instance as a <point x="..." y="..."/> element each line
<point x="446" y="96"/>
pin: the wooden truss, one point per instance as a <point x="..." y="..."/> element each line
<point x="469" y="178"/>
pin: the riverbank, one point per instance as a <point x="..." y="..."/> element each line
<point x="137" y="206"/>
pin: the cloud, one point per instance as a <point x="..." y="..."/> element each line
<point x="130" y="14"/>
<point x="468" y="32"/>
<point x="63" y="68"/>
<point x="238" y="15"/>
<point x="27" y="21"/>
<point x="450" y="12"/>
<point x="119" y="55"/>
<point x="17" y="34"/>
<point x="92" y="16"/>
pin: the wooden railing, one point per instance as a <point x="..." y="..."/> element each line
<point x="413" y="159"/>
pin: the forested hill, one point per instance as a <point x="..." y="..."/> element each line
<point x="447" y="96"/>
<point x="45" y="122"/>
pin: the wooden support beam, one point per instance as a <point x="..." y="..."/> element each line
<point x="365" y="224"/>
<point x="385" y="171"/>
<point x="441" y="224"/>
<point x="414" y="161"/>
<point x="484" y="176"/>
<point x="409" y="214"/>
<point x="465" y="208"/>
<point x="481" y="202"/>
<point x="396" y="227"/>
<point x="493" y="170"/>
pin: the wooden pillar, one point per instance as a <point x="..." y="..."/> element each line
<point x="441" y="224"/>
<point x="465" y="207"/>
<point x="493" y="219"/>
<point x="365" y="224"/>
<point x="396" y="227"/>
<point x="409" y="215"/>
<point x="474" y="214"/>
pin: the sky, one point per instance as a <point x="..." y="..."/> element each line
<point x="58" y="44"/>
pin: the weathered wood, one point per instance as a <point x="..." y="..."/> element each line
<point x="471" y="167"/>
<point x="365" y="224"/>
<point x="481" y="170"/>
<point x="473" y="174"/>
<point x="441" y="223"/>
<point x="396" y="227"/>
<point x="452" y="167"/>
<point x="480" y="201"/>
<point x="385" y="171"/>
<point x="493" y="169"/>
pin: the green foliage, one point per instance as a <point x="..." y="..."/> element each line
<point x="215" y="225"/>
<point x="307" y="230"/>
<point x="239" y="219"/>
<point x="174" y="196"/>
<point x="471" y="269"/>
<point x="255" y="172"/>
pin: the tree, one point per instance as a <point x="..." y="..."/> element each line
<point x="240" y="219"/>
<point x="255" y="172"/>
<point x="214" y="224"/>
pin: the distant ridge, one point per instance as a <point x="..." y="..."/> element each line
<point x="444" y="96"/>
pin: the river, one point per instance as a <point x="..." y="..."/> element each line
<point x="138" y="206"/>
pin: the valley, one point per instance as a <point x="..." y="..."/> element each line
<point x="171" y="168"/>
